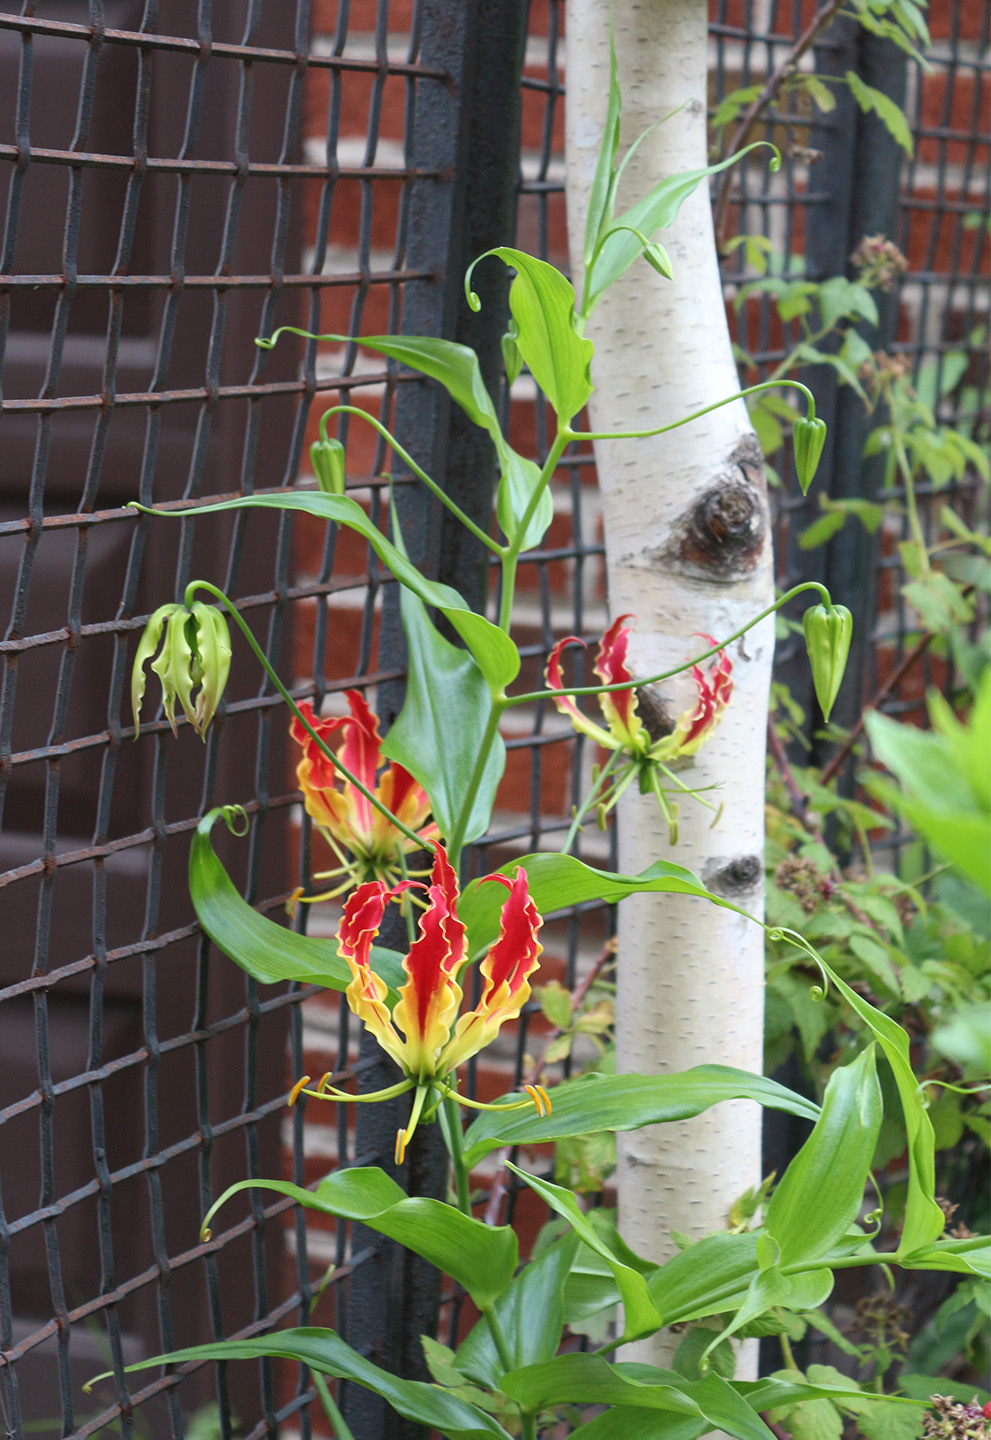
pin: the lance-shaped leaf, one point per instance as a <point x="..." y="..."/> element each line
<point x="559" y="881"/>
<point x="654" y="212"/>
<point x="438" y="733"/>
<point x="627" y="1102"/>
<point x="640" y="1316"/>
<point x="970" y="1256"/>
<point x="267" y="951"/>
<point x="714" y="1275"/>
<point x="600" y="196"/>
<point x="480" y="1257"/>
<point x="592" y="1380"/>
<point x="325" y="1351"/>
<point x="497" y="656"/>
<point x="924" y="1220"/>
<point x="625" y="1422"/>
<point x="530" y="1314"/>
<point x="821" y="1192"/>
<point x="520" y="479"/>
<point x="543" y="305"/>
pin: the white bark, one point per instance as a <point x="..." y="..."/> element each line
<point x="691" y="976"/>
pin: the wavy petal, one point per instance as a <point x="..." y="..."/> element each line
<point x="366" y="994"/>
<point x="431" y="998"/>
<point x="619" y="706"/>
<point x="506" y="968"/>
<point x="566" y="703"/>
<point x="695" y="725"/>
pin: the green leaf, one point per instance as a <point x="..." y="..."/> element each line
<point x="823" y="97"/>
<point x="843" y="299"/>
<point x="542" y="302"/>
<point x="624" y="1422"/>
<point x="822" y="530"/>
<point x="889" y="1422"/>
<point x="480" y="1257"/>
<point x="821" y="1192"/>
<point x="946" y="779"/>
<point x="627" y="1102"/>
<point x="603" y="184"/>
<point x="890" y="115"/>
<point x="924" y="1220"/>
<point x="437" y="735"/>
<point x="519" y="480"/>
<point x="530" y="1312"/>
<point x="688" y="1354"/>
<point x="267" y="951"/>
<point x="921" y="1387"/>
<point x="325" y="1351"/>
<point x="971" y="1256"/>
<point x="640" y="1316"/>
<point x="654" y="212"/>
<point x="815" y="1420"/>
<point x="592" y="1380"/>
<point x="559" y="881"/>
<point x="497" y="656"/>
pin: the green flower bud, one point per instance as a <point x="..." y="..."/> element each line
<point x="146" y="649"/>
<point x="192" y="665"/>
<point x="211" y="663"/>
<point x="828" y="631"/>
<point x="808" y="438"/>
<point x="327" y="459"/>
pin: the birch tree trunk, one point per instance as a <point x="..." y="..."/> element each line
<point x="688" y="549"/>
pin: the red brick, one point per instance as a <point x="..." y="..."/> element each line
<point x="967" y="19"/>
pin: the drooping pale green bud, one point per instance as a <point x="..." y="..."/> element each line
<point x="828" y="631"/>
<point x="808" y="438"/>
<point x="211" y="664"/>
<point x="147" y="646"/>
<point x="327" y="459"/>
<point x="192" y="665"/>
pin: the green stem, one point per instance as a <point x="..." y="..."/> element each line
<point x="499" y="1336"/>
<point x="262" y="659"/>
<point x="339" y="1426"/>
<point x="511" y="553"/>
<point x="911" y="504"/>
<point x="529" y="1425"/>
<point x="454" y="1136"/>
<point x="407" y="459"/>
<point x="534" y="695"/>
<point x="586" y="804"/>
<point x="787" y="1353"/>
<point x="697" y="414"/>
<point x="457" y="839"/>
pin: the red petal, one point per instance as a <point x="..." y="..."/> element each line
<point x="619" y="706"/>
<point x="515" y="954"/>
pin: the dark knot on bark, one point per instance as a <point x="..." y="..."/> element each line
<point x="725" y="530"/>
<point x="733" y="878"/>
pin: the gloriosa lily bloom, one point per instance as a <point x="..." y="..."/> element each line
<point x="625" y="732"/>
<point x="343" y="815"/>
<point x="425" y="1034"/>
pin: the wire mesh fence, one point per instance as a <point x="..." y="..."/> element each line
<point x="178" y="181"/>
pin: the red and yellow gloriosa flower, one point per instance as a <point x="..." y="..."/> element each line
<point x="426" y="1034"/>
<point x="345" y="817"/>
<point x="625" y="731"/>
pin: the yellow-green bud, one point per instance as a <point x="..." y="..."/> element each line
<point x="828" y="631"/>
<point x="808" y="438"/>
<point x="327" y="459"/>
<point x="192" y="665"/>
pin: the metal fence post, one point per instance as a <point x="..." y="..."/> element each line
<point x="863" y="166"/>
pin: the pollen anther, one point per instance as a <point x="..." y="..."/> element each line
<point x="299" y="1085"/>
